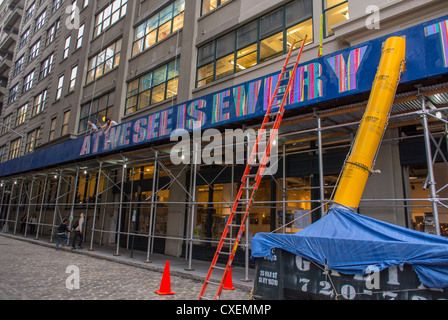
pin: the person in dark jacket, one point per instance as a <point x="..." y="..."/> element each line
<point x="62" y="233"/>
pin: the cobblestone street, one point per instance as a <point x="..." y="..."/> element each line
<point x="33" y="272"/>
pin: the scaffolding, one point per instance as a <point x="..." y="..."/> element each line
<point x="140" y="200"/>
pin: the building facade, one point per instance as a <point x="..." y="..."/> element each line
<point x="156" y="66"/>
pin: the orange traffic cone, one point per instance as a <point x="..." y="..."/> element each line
<point x="165" y="286"/>
<point x="228" y="282"/>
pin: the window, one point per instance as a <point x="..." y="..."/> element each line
<point x="14" y="149"/>
<point x="104" y="62"/>
<point x="255" y="42"/>
<point x="30" y="11"/>
<point x="110" y="15"/>
<point x="56" y="5"/>
<point x="40" y="20"/>
<point x="159" y="26"/>
<point x="19" y="65"/>
<point x="96" y="110"/>
<point x="39" y="103"/>
<point x="46" y="66"/>
<point x="2" y="153"/>
<point x="51" y="33"/>
<point x="13" y="93"/>
<point x="72" y="82"/>
<point x="28" y="81"/>
<point x="52" y="129"/>
<point x="64" y="129"/>
<point x="60" y="85"/>
<point x="66" y="47"/>
<point x="80" y="35"/>
<point x="31" y="140"/>
<point x="152" y="87"/>
<point x="21" y="114"/>
<point x="73" y="10"/>
<point x="24" y="38"/>
<point x="336" y="11"/>
<point x="209" y="5"/>
<point x="7" y="122"/>
<point x="35" y="50"/>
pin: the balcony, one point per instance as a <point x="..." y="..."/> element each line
<point x="8" y="40"/>
<point x="5" y="64"/>
<point x="15" y="14"/>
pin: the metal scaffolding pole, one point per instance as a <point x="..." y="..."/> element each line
<point x="6" y="225"/>
<point x="192" y="209"/>
<point x="56" y="205"/>
<point x="321" y="167"/>
<point x="18" y="206"/>
<point x="30" y="196"/>
<point x="96" y="204"/>
<point x="155" y="177"/>
<point x="41" y="206"/>
<point x="123" y="170"/>
<point x="431" y="182"/>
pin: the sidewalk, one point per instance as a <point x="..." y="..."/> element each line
<point x="177" y="265"/>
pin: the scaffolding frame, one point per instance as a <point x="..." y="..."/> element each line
<point x="114" y="176"/>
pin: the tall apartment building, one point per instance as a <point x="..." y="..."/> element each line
<point x="157" y="65"/>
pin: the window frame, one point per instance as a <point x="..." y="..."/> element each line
<point x="325" y="11"/>
<point x="156" y="19"/>
<point x="210" y="65"/>
<point x="147" y="90"/>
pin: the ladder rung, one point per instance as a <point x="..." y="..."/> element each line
<point x="205" y="298"/>
<point x="254" y="164"/>
<point x="219" y="268"/>
<point x="234" y="225"/>
<point x="239" y="212"/>
<point x="225" y="253"/>
<point x="272" y="114"/>
<point x="250" y="187"/>
<point x="251" y="175"/>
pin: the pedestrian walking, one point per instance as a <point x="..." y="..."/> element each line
<point x="62" y="234"/>
<point x="78" y="227"/>
<point x="23" y="224"/>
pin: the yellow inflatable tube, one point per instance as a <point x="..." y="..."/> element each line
<point x="373" y="124"/>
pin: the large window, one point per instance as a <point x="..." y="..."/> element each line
<point x="65" y="121"/>
<point x="40" y="20"/>
<point x="152" y="87"/>
<point x="59" y="89"/>
<point x="7" y="122"/>
<point x="209" y="5"/>
<point x="19" y="65"/>
<point x="46" y="66"/>
<point x="96" y="111"/>
<point x="24" y="38"/>
<point x="159" y="26"/>
<point x="34" y="52"/>
<point x="21" y="114"/>
<point x="255" y="42"/>
<point x="110" y="15"/>
<point x="39" y="103"/>
<point x="336" y="11"/>
<point x="104" y="61"/>
<point x="28" y="81"/>
<point x="13" y="93"/>
<point x="72" y="83"/>
<point x="14" y="149"/>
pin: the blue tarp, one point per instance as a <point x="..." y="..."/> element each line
<point x="349" y="243"/>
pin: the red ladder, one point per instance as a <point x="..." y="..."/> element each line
<point x="251" y="181"/>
